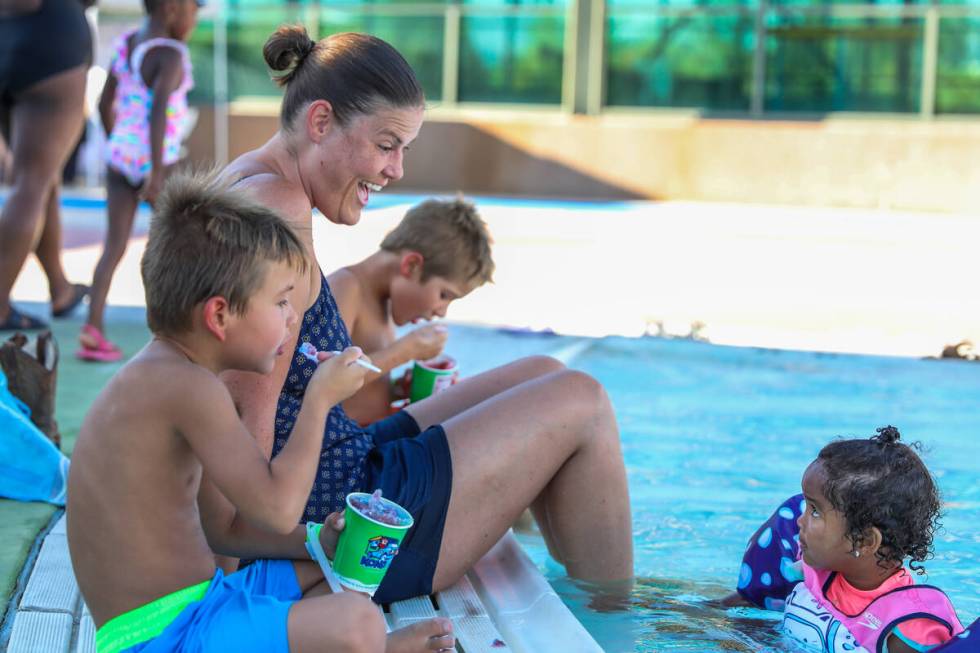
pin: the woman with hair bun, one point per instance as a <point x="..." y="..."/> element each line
<point x="467" y="461"/>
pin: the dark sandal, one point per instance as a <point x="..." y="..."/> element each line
<point x="79" y="292"/>
<point x="17" y="321"/>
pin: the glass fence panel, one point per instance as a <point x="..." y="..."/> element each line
<point x="659" y="53"/>
<point x="958" y="69"/>
<point x="201" y="45"/>
<point x="613" y="5"/>
<point x="418" y="38"/>
<point x="691" y="60"/>
<point x="821" y="63"/>
<point x="504" y="4"/>
<point x="514" y="59"/>
<point x="248" y="29"/>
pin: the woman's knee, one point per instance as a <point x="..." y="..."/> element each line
<point x="540" y="365"/>
<point x="584" y="394"/>
<point x="585" y="386"/>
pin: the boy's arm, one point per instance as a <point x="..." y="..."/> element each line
<point x="162" y="71"/>
<point x="231" y="535"/>
<point x="106" y="101"/>
<point x="421" y="344"/>
<point x="269" y="494"/>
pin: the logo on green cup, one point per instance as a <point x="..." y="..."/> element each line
<point x="380" y="550"/>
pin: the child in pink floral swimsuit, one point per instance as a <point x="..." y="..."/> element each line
<point x="144" y="112"/>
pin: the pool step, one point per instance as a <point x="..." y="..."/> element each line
<point x="502" y="605"/>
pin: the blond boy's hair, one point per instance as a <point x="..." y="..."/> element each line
<point x="450" y="236"/>
<point x="205" y="241"/>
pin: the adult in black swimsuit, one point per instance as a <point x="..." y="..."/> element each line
<point x="467" y="461"/>
<point x="45" y="52"/>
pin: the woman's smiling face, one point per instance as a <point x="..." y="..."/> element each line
<point x="360" y="158"/>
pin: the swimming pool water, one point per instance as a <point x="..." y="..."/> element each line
<point x="715" y="437"/>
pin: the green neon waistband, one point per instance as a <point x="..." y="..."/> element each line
<point x="147" y="621"/>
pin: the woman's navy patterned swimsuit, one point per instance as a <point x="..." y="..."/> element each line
<point x="345" y="444"/>
<point x="412" y="467"/>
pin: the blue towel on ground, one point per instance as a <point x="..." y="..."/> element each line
<point x="31" y="467"/>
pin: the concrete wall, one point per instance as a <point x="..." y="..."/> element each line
<point x="851" y="162"/>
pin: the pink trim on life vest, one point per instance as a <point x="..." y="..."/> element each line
<point x="871" y="627"/>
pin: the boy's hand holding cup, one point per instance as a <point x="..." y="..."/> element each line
<point x="427" y="341"/>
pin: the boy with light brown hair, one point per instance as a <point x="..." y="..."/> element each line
<point x="438" y="253"/>
<point x="165" y="475"/>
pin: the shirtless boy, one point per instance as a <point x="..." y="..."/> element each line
<point x="165" y="475"/>
<point x="438" y="253"/>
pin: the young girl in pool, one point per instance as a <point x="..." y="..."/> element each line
<point x="868" y="505"/>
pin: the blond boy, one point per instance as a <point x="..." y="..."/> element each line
<point x="165" y="475"/>
<point x="438" y="253"/>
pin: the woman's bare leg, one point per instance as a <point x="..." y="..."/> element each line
<point x="45" y="122"/>
<point x="551" y="441"/>
<point x="473" y="390"/>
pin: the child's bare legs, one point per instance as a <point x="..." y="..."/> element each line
<point x="122" y="202"/>
<point x="349" y="621"/>
<point x="551" y="441"/>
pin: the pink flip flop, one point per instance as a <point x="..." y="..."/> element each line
<point x="95" y="347"/>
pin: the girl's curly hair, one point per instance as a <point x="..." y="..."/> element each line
<point x="882" y="482"/>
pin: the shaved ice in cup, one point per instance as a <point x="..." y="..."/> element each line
<point x="432" y="376"/>
<point x="372" y="535"/>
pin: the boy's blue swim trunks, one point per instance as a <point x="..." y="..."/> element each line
<point x="243" y="612"/>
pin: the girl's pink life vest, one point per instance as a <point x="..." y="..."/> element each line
<point x="871" y="627"/>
